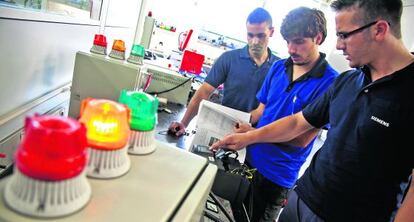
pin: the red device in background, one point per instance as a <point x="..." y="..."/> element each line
<point x="192" y="62"/>
<point x="183" y="39"/>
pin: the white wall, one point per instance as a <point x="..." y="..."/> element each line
<point x="36" y="58"/>
<point x="406" y="24"/>
<point x="227" y="17"/>
<point x="38" y="49"/>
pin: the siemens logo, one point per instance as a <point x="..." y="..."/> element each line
<point x="380" y="121"/>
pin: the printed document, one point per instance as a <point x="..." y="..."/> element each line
<point x="214" y="121"/>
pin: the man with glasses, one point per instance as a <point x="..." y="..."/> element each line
<point x="242" y="71"/>
<point x="290" y="85"/>
<point x="362" y="169"/>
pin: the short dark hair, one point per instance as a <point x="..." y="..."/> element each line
<point x="259" y="15"/>
<point x="304" y="22"/>
<point x="389" y="10"/>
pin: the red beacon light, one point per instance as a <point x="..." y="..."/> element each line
<point x="107" y="125"/>
<point x="99" y="44"/>
<point x="50" y="165"/>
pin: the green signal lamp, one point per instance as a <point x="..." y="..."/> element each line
<point x="143" y="119"/>
<point x="143" y="109"/>
<point x="137" y="54"/>
<point x="138" y="50"/>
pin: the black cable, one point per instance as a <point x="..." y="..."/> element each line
<point x="297" y="208"/>
<point x="251" y="203"/>
<point x="175" y="87"/>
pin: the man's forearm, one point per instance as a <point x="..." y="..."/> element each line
<point x="283" y="130"/>
<point x="256" y="114"/>
<point x="192" y="108"/>
<point x="406" y="211"/>
<point x="304" y="139"/>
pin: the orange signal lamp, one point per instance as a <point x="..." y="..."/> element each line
<point x="118" y="50"/>
<point x="107" y="124"/>
<point x="119" y="45"/>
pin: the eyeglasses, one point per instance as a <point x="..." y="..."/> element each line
<point x="344" y="35"/>
<point x="258" y="35"/>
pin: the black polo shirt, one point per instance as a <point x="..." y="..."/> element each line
<point x="368" y="154"/>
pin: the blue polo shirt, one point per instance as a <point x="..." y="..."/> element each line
<point x="360" y="170"/>
<point x="283" y="97"/>
<point x="241" y="76"/>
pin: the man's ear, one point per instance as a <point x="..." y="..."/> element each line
<point x="272" y="30"/>
<point x="318" y="38"/>
<point x="381" y="28"/>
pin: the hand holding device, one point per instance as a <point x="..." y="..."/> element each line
<point x="176" y="129"/>
<point x="235" y="141"/>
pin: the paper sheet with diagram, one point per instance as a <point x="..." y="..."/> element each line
<point x="214" y="121"/>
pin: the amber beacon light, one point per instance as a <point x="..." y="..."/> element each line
<point x="49" y="178"/>
<point x="107" y="135"/>
<point x="118" y="50"/>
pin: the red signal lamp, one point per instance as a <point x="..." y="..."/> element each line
<point x="60" y="142"/>
<point x="50" y="165"/>
<point x="99" y="44"/>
